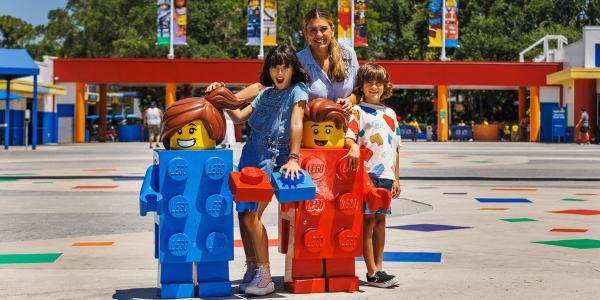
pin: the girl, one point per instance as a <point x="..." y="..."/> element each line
<point x="374" y="127"/>
<point x="275" y="117"/>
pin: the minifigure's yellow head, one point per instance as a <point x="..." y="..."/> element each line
<point x="192" y="136"/>
<point x="198" y="123"/>
<point x="324" y="125"/>
<point x="345" y="3"/>
<point x="451" y="3"/>
<point x="254" y="3"/>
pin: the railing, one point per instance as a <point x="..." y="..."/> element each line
<point x="561" y="40"/>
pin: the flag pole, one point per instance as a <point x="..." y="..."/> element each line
<point x="444" y="58"/>
<point x="261" y="53"/>
<point x="171" y="54"/>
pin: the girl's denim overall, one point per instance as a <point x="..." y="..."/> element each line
<point x="263" y="149"/>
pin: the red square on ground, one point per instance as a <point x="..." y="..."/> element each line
<point x="587" y="212"/>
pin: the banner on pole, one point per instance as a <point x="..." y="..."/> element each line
<point x="451" y="24"/>
<point x="344" y="23"/>
<point x="180" y="22"/>
<point x="360" y="23"/>
<point x="163" y="21"/>
<point x="253" y="23"/>
<point x="435" y="23"/>
<point x="270" y="23"/>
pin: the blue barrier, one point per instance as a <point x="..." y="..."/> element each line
<point x="130" y="133"/>
<point x="407" y="132"/>
<point x="461" y="132"/>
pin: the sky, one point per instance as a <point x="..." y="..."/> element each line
<point x="34" y="12"/>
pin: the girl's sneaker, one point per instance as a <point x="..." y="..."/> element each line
<point x="262" y="284"/>
<point x="382" y="279"/>
<point x="248" y="276"/>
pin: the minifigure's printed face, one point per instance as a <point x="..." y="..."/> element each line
<point x="270" y="4"/>
<point x="322" y="136"/>
<point x="164" y="6"/>
<point x="451" y="3"/>
<point x="360" y="5"/>
<point x="254" y="3"/>
<point x="345" y="3"/>
<point x="179" y="3"/>
<point x="192" y="136"/>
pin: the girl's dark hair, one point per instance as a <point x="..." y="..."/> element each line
<point x="372" y="72"/>
<point x="283" y="55"/>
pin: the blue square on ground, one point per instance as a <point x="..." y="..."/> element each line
<point x="455" y="193"/>
<point x="426" y="188"/>
<point x="427" y="227"/>
<point x="503" y="200"/>
<point x="409" y="257"/>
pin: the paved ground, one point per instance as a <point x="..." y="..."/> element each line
<point x="490" y="255"/>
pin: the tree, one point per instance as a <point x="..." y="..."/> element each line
<point x="16" y="33"/>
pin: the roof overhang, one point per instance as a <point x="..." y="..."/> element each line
<point x="568" y="76"/>
<point x="25" y="88"/>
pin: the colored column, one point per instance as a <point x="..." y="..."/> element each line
<point x="534" y="104"/>
<point x="7" y="117"/>
<point x="522" y="110"/>
<point x="443" y="113"/>
<point x="34" y="114"/>
<point x="170" y="94"/>
<point x="435" y="98"/>
<point x="80" y="112"/>
<point x="102" y="113"/>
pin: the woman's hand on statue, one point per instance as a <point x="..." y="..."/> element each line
<point x="213" y="86"/>
<point x="346" y="104"/>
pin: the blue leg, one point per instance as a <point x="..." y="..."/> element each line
<point x="176" y="280"/>
<point x="213" y="279"/>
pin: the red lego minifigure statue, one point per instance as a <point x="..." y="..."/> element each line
<point x="326" y="232"/>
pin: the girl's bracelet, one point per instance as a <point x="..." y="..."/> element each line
<point x="293" y="155"/>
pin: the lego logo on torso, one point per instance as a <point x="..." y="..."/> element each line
<point x="313" y="240"/>
<point x="315" y="207"/>
<point x="215" y="168"/>
<point x="344" y="171"/>
<point x="179" y="244"/>
<point x="178" y="169"/>
<point x="216" y="242"/>
<point x="348" y="240"/>
<point x="348" y="204"/>
<point x="179" y="206"/>
<point x="315" y="167"/>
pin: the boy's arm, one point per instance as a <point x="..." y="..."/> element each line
<point x="296" y="127"/>
<point x="396" y="186"/>
<point x="353" y="153"/>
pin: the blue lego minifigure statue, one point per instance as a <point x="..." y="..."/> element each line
<point x="189" y="192"/>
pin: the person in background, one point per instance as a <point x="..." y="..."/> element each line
<point x="524" y="128"/>
<point x="584" y="126"/>
<point x="462" y="123"/>
<point x="152" y="119"/>
<point x="485" y="122"/>
<point x="415" y="124"/>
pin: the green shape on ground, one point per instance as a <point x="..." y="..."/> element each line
<point x="519" y="220"/>
<point x="578" y="244"/>
<point x="29" y="258"/>
<point x="8" y="180"/>
<point x="481" y="161"/>
<point x="42" y="182"/>
<point x="21" y="174"/>
<point x="568" y="199"/>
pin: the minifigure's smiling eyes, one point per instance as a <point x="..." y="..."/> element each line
<point x="327" y="131"/>
<point x="191" y="130"/>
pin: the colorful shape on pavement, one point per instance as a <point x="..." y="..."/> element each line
<point x="427" y="227"/>
<point x="409" y="257"/>
<point x="128" y="179"/>
<point x="518" y="190"/>
<point x="455" y="193"/>
<point x="20" y="174"/>
<point x="503" y="200"/>
<point x="93" y="244"/>
<point x="426" y="187"/>
<point x="519" y="220"/>
<point x="41" y="258"/>
<point x="41" y="182"/>
<point x="95" y="187"/>
<point x="568" y="230"/>
<point x="586" y="194"/>
<point x="569" y="199"/>
<point x="577" y="243"/>
<point x="100" y="170"/>
<point x="491" y="208"/>
<point x="10" y="179"/>
<point x="586" y="212"/>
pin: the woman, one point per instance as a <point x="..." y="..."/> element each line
<point x="331" y="66"/>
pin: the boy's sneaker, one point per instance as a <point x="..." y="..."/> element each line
<point x="381" y="279"/>
<point x="157" y="146"/>
<point x="248" y="276"/>
<point x="262" y="284"/>
<point x="587" y="143"/>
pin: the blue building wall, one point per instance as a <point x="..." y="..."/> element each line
<point x="47" y="131"/>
